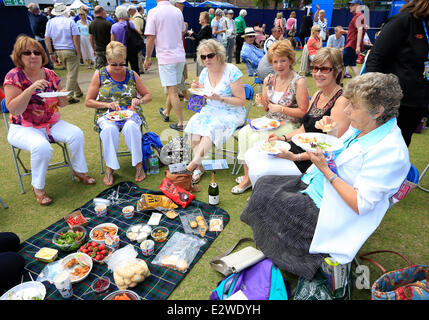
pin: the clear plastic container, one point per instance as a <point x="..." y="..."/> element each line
<point x="128" y="294"/>
<point x="72" y="246"/>
<point x="101" y="284"/>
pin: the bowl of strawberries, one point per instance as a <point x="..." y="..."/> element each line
<point x="97" y="251"/>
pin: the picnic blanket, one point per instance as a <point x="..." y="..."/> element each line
<point x="162" y="281"/>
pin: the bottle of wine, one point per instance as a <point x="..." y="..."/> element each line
<point x="213" y="191"/>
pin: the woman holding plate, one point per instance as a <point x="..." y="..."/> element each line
<point x="114" y="88"/>
<point x="297" y="221"/>
<point x="225" y="99"/>
<point x="35" y="121"/>
<point x="285" y="100"/>
<point x="328" y="71"/>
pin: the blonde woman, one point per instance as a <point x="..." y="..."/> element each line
<point x="85" y="44"/>
<point x="314" y="43"/>
<point x="224" y="110"/>
<point x="284" y="98"/>
<point x="280" y="22"/>
<point x="291" y="24"/>
<point x="117" y="87"/>
<point x="322" y="22"/>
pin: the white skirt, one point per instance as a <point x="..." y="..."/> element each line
<point x="86" y="48"/>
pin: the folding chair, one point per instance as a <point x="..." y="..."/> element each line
<point x="119" y="153"/>
<point x="304" y="68"/>
<point x="21" y="169"/>
<point x="421" y="177"/>
<point x="257" y="82"/>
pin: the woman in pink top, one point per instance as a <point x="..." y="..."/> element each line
<point x="35" y="120"/>
<point x="314" y="43"/>
<point x="291" y="24"/>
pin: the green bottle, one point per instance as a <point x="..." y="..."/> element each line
<point x="213" y="191"/>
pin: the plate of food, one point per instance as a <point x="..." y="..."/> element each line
<point x="273" y="147"/>
<point x="309" y="141"/>
<point x="263" y="123"/>
<point x="54" y="94"/>
<point x="119" y="115"/>
<point x="200" y="92"/>
<point x="98" y="233"/>
<point x="79" y="265"/>
<point x="30" y="290"/>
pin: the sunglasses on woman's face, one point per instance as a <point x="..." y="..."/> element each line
<point x="325" y="70"/>
<point x="29" y="52"/>
<point x="209" y="56"/>
<point x="118" y="64"/>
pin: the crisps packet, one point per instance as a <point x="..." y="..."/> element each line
<point x="153" y="201"/>
<point x="176" y="193"/>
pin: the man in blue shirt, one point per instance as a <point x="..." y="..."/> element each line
<point x="250" y="54"/>
<point x="337" y="40"/>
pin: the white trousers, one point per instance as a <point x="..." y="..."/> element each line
<point x="260" y="164"/>
<point x="110" y="138"/>
<point x="36" y="142"/>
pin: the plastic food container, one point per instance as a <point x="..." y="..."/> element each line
<point x="46" y="254"/>
<point x="100" y="210"/>
<point x="101" y="284"/>
<point x="147" y="247"/>
<point x="160" y="234"/>
<point x="122" y="295"/>
<point x="138" y="232"/>
<point x="70" y="246"/>
<point x="128" y="212"/>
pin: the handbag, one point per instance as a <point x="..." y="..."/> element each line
<point x="183" y="180"/>
<point x="227" y="263"/>
<point x="409" y="283"/>
<point x="133" y="40"/>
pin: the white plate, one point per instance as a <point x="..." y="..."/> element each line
<point x="82" y="258"/>
<point x="53" y="94"/>
<point x="262" y="124"/>
<point x="26" y="291"/>
<point x="116" y="115"/>
<point x="100" y="226"/>
<point x="332" y="143"/>
<point x="273" y="147"/>
<point x="200" y="92"/>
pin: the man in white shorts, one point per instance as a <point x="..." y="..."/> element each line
<point x="164" y="28"/>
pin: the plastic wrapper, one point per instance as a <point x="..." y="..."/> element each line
<point x="176" y="193"/>
<point x="179" y="251"/>
<point x="127" y="269"/>
<point x="149" y="201"/>
<point x="193" y="222"/>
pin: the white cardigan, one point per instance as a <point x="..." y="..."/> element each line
<point x="376" y="172"/>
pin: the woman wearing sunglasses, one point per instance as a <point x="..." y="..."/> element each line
<point x="116" y="87"/>
<point x="224" y="110"/>
<point x="328" y="71"/>
<point x="85" y="44"/>
<point x="35" y="121"/>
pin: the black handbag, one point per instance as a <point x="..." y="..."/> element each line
<point x="133" y="39"/>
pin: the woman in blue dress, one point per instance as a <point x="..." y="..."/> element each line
<point x="225" y="99"/>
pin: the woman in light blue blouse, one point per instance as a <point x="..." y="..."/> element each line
<point x="85" y="44"/>
<point x="224" y="110"/>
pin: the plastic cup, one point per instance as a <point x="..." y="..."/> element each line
<point x="128" y="212"/>
<point x="147" y="247"/>
<point x="100" y="210"/>
<point x="63" y="284"/>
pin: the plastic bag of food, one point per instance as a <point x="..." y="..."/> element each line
<point x="127" y="269"/>
<point x="179" y="251"/>
<point x="149" y="201"/>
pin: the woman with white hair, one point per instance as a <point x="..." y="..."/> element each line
<point x="118" y="33"/>
<point x="322" y="22"/>
<point x="240" y="26"/>
<point x="219" y="27"/>
<point x="224" y="110"/>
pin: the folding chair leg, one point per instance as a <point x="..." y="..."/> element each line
<point x="101" y="155"/>
<point x="421" y="177"/>
<point x="3" y="203"/>
<point x="67" y="157"/>
<point x="18" y="172"/>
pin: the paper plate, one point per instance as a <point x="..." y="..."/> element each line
<point x="119" y="115"/>
<point x="200" y="92"/>
<point x="53" y="94"/>
<point x="30" y="290"/>
<point x="273" y="147"/>
<point x="262" y="124"/>
<point x="309" y="141"/>
<point x="82" y="259"/>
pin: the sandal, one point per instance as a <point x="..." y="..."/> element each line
<point x="108" y="178"/>
<point x="238" y="190"/>
<point x="239" y="179"/>
<point x="42" y="199"/>
<point x="84" y="178"/>
<point x="139" y="172"/>
<point x="196" y="175"/>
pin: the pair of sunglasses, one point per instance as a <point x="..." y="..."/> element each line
<point x="118" y="64"/>
<point x="210" y="56"/>
<point x="324" y="70"/>
<point x="29" y="52"/>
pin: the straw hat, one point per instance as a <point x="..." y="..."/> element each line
<point x="59" y="9"/>
<point x="249" y="31"/>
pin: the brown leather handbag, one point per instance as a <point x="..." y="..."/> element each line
<point x="183" y="180"/>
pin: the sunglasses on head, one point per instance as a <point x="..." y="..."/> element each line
<point x="209" y="56"/>
<point x="29" y="52"/>
<point x="118" y="64"/>
<point x="325" y="70"/>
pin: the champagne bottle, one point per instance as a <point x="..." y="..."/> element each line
<point x="213" y="191"/>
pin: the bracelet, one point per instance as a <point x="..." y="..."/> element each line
<point x="299" y="157"/>
<point x="333" y="178"/>
<point x="283" y="109"/>
<point x="284" y="137"/>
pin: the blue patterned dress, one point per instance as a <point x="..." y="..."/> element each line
<point x="218" y="120"/>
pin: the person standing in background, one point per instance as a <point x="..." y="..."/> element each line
<point x="322" y="22"/>
<point x="204" y="33"/>
<point x="218" y="28"/>
<point x="211" y="15"/>
<point x="99" y="36"/>
<point x="231" y="32"/>
<point x="85" y="43"/>
<point x="64" y="33"/>
<point x="240" y="25"/>
<point x="138" y="22"/>
<point x="305" y="27"/>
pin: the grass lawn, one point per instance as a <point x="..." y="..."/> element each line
<point x="403" y="229"/>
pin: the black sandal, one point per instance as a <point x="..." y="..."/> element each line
<point x="175" y="126"/>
